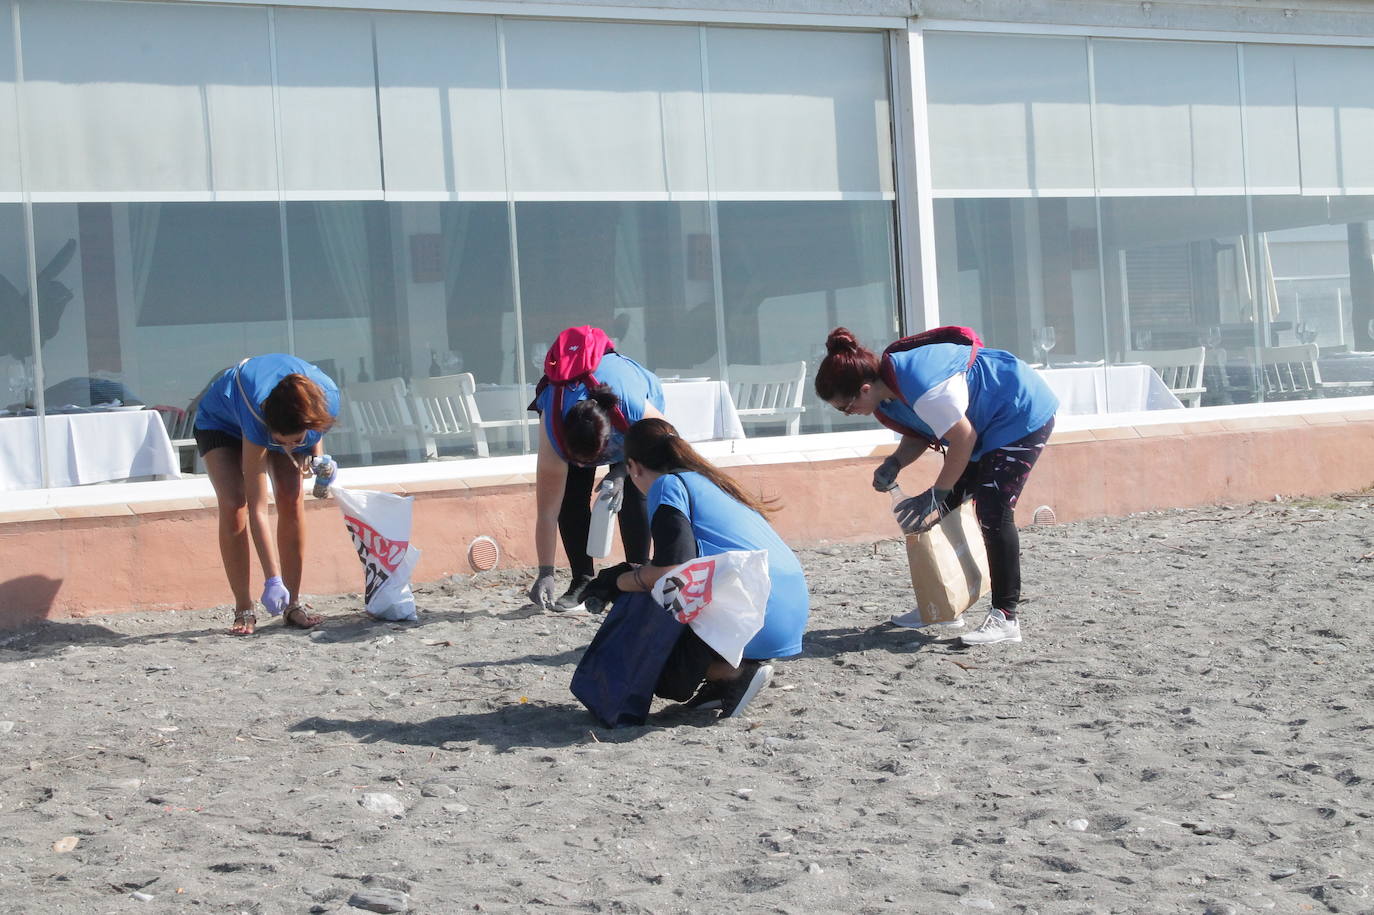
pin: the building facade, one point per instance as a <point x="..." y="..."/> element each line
<point x="417" y="188"/>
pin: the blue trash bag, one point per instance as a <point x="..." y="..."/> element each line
<point x="616" y="677"/>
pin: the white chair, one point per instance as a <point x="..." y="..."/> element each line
<point x="1181" y="370"/>
<point x="1286" y="372"/>
<point x="380" y="412"/>
<point x="449" y="408"/>
<point x="181" y="429"/>
<point x="769" y="393"/>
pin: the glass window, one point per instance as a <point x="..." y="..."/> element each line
<point x="439" y="89"/>
<point x="602" y="109"/>
<point x="327" y="90"/>
<point x="109" y="111"/>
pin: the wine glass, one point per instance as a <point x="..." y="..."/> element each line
<point x="1212" y="338"/>
<point x="1044" y="341"/>
<point x="1142" y="338"/>
<point x="1305" y="332"/>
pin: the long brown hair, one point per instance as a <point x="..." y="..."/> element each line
<point x="587" y="426"/>
<point x="655" y="444"/>
<point x="296" y="405"/>
<point x="847" y="366"/>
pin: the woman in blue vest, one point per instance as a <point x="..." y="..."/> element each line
<point x="696" y="510"/>
<point x="987" y="411"/>
<point x="571" y="447"/>
<point x="266" y="416"/>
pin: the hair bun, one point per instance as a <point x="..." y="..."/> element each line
<point x="841" y="341"/>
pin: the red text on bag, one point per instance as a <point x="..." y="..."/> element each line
<point x="388" y="552"/>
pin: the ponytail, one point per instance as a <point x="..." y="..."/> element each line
<point x="657" y="445"/>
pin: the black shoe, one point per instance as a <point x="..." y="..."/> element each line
<point x="744" y="688"/>
<point x="572" y="598"/>
<point x="710" y="695"/>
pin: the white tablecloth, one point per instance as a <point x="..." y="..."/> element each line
<point x="701" y="410"/>
<point x="1110" y="389"/>
<point x="86" y="448"/>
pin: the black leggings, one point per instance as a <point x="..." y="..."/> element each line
<point x="575" y="520"/>
<point x="995" y="482"/>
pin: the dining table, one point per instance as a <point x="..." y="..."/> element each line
<point x="86" y="445"/>
<point x="1098" y="388"/>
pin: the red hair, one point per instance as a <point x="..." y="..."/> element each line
<point x="847" y="366"/>
<point x="296" y="405"/>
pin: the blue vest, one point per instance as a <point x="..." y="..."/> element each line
<point x="720" y="524"/>
<point x="223" y="408"/>
<point x="1007" y="399"/>
<point x="631" y="382"/>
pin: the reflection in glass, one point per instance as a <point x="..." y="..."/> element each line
<point x="793" y="271"/>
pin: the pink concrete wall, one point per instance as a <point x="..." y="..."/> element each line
<point x="159" y="556"/>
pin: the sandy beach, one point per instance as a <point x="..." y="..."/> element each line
<point x="1186" y="728"/>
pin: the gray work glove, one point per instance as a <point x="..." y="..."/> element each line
<point x="613" y="485"/>
<point x="541" y="592"/>
<point x="921" y="513"/>
<point x="885" y="477"/>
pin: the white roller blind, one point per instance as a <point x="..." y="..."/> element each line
<point x="1335" y="97"/>
<point x="801" y="114"/>
<point x="1008" y="115"/>
<point x="147" y="99"/>
<point x="1271" y="123"/>
<point x="9" y="137"/>
<point x="439" y="83"/>
<point x="328" y="97"/>
<point x="1168" y="117"/>
<point x="604" y="109"/>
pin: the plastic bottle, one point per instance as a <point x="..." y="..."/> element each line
<point x="602" y="529"/>
<point x="898" y="497"/>
<point x="363" y="376"/>
<point x="324" y="469"/>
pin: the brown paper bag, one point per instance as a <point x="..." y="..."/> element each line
<point x="949" y="566"/>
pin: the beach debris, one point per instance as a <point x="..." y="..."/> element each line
<point x="1078" y="825"/>
<point x="381" y="901"/>
<point x="65" y="844"/>
<point x="437" y="789"/>
<point x="6" y="727"/>
<point x="744" y="792"/>
<point x="1279" y="873"/>
<point x="455" y="808"/>
<point x="814" y="869"/>
<point x="1219" y="908"/>
<point x="141" y="897"/>
<point x="383" y="803"/>
<point x="961" y="665"/>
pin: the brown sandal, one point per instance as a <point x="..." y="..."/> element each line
<point x="297" y="616"/>
<point x="245" y="622"/>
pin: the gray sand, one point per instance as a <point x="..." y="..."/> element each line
<point x="1186" y="728"/>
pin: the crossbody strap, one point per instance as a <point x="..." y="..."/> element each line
<point x="254" y="410"/>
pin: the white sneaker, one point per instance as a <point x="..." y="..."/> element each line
<point x="913" y="620"/>
<point x="994" y="628"/>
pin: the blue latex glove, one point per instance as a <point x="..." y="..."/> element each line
<point x="325" y="469"/>
<point x="921" y="513"/>
<point x="275" y="597"/>
<point x="885" y="477"/>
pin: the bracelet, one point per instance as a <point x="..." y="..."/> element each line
<point x="639" y="581"/>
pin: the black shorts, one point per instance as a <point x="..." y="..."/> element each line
<point x="208" y="440"/>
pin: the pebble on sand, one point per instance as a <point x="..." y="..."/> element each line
<point x="380" y="802"/>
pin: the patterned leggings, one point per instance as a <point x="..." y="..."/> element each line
<point x="995" y="482"/>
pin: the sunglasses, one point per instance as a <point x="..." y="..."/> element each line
<point x="849" y="406"/>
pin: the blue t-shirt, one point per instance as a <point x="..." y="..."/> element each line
<point x="721" y="523"/>
<point x="1007" y="399"/>
<point x="223" y="407"/>
<point x="632" y="383"/>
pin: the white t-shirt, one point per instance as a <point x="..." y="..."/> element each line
<point x="943" y="405"/>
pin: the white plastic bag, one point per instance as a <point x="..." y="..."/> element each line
<point x="379" y="523"/>
<point x="722" y="597"/>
